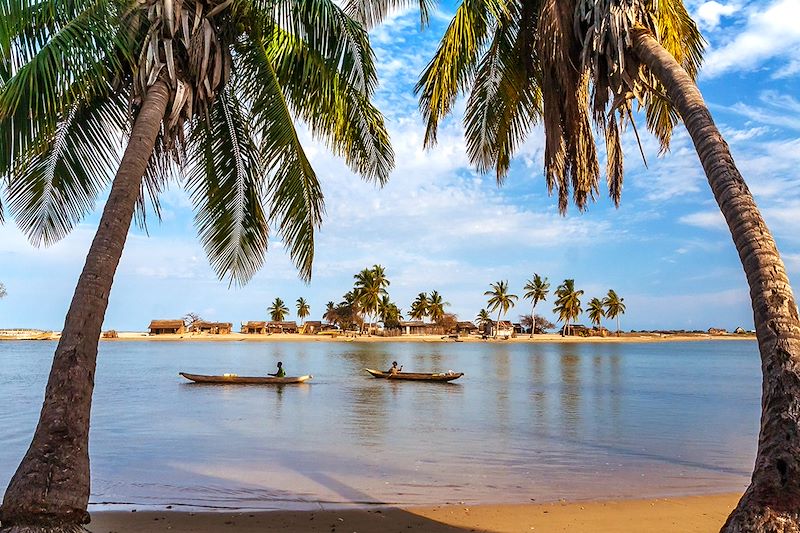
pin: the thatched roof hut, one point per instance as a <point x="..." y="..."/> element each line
<point x="167" y="327"/>
<point x="466" y="327"/>
<point x="213" y="328"/>
<point x="282" y="327"/>
<point x="254" y="327"/>
<point x="312" y="326"/>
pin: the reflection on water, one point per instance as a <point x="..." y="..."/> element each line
<point x="541" y="421"/>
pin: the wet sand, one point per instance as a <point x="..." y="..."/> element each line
<point x="693" y="514"/>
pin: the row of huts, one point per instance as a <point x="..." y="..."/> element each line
<point x="408" y="327"/>
<point x="178" y="327"/>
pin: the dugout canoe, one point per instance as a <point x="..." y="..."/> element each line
<point x="416" y="376"/>
<point x="244" y="380"/>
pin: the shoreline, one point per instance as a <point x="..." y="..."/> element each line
<point x="685" y="514"/>
<point x="125" y="336"/>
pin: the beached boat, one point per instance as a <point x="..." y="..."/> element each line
<point x="416" y="376"/>
<point x="244" y="380"/>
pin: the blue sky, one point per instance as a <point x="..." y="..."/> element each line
<point x="440" y="225"/>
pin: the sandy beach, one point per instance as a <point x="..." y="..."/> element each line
<point x="692" y="514"/>
<point x="546" y="337"/>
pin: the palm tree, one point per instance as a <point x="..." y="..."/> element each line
<point x="483" y="318"/>
<point x="596" y="311"/>
<point x="389" y="313"/>
<point x="614" y="306"/>
<point x="278" y="310"/>
<point x="419" y="307"/>
<point x="212" y="90"/>
<point x="568" y="303"/>
<point x="303" y="310"/>
<point x="537" y="292"/>
<point x="330" y="313"/>
<point x="500" y="299"/>
<point x="436" y="306"/>
<point x="371" y="287"/>
<point x="532" y="61"/>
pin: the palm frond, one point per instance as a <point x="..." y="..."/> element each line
<point x="334" y="110"/>
<point x="453" y="66"/>
<point x="74" y="64"/>
<point x="505" y="100"/>
<point x="225" y="180"/>
<point x="327" y="31"/>
<point x="294" y="193"/>
<point x="370" y="13"/>
<point x="55" y="184"/>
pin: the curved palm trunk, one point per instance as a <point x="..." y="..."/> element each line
<point x="50" y="489"/>
<point x="772" y="501"/>
<point x="533" y="320"/>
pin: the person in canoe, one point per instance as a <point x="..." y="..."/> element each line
<point x="281" y="373"/>
<point x="394" y="370"/>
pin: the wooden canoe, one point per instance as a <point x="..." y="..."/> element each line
<point x="416" y="376"/>
<point x="244" y="380"/>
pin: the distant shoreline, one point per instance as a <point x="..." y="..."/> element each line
<point x="524" y="338"/>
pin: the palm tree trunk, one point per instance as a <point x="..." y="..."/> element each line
<point x="50" y="489"/>
<point x="533" y="320"/>
<point x="772" y="501"/>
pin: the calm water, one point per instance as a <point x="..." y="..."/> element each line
<point x="541" y="422"/>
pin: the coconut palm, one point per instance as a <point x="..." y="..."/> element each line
<point x="596" y="311"/>
<point x="614" y="306"/>
<point x="370" y="287"/>
<point x="523" y="62"/>
<point x="436" y="307"/>
<point x="330" y="313"/>
<point x="278" y="310"/>
<point x="483" y="318"/>
<point x="419" y="307"/>
<point x="207" y="92"/>
<point x="303" y="310"/>
<point x="537" y="288"/>
<point x="389" y="313"/>
<point x="501" y="300"/>
<point x="568" y="303"/>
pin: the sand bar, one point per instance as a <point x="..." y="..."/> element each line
<point x="546" y="338"/>
<point x="691" y="514"/>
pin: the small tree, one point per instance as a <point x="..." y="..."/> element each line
<point x="541" y="324"/>
<point x="448" y="322"/>
<point x="190" y="319"/>
<point x="303" y="310"/>
<point x="537" y="289"/>
<point x="278" y="310"/>
<point x="614" y="306"/>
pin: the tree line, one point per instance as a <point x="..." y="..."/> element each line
<point x="369" y="302"/>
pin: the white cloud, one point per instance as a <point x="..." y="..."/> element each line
<point x="771" y="33"/>
<point x="709" y="13"/>
<point x="705" y="219"/>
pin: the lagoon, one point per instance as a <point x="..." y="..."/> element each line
<point x="527" y="422"/>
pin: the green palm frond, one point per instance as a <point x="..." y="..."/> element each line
<point x="453" y="66"/>
<point x="327" y="31"/>
<point x="505" y="100"/>
<point x="55" y="184"/>
<point x="225" y="179"/>
<point x="50" y="72"/>
<point x="373" y="12"/>
<point x="319" y="93"/>
<point x="295" y="195"/>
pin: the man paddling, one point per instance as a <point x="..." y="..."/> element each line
<point x="281" y="373"/>
<point x="394" y="370"/>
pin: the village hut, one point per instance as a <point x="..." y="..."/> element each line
<point x="254" y="327"/>
<point x="418" y="327"/>
<point x="167" y="327"/>
<point x="282" y="327"/>
<point x="466" y="328"/>
<point x="312" y="326"/>
<point x="503" y="328"/>
<point x="576" y="330"/>
<point x="212" y="328"/>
